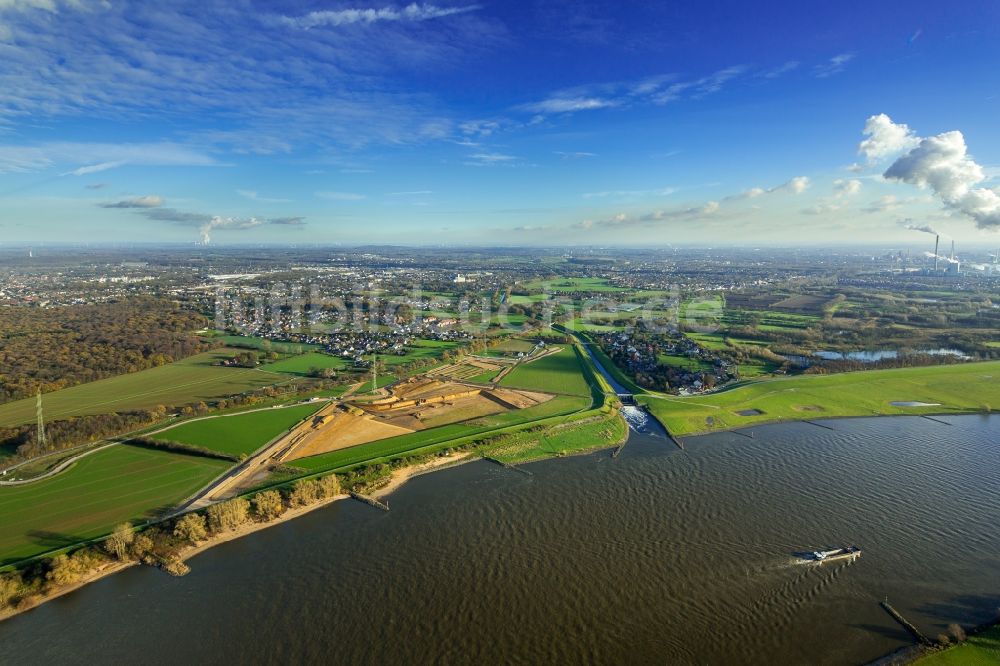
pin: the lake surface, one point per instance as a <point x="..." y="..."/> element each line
<point x="872" y="356"/>
<point x="658" y="556"/>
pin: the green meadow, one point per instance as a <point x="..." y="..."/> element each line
<point x="979" y="650"/>
<point x="560" y="439"/>
<point x="555" y="373"/>
<point x="303" y="363"/>
<point x="190" y="380"/>
<point x="120" y="483"/>
<point x="238" y="433"/>
<point x="263" y="344"/>
<point x="968" y="387"/>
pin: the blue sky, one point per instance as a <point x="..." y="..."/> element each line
<point x="495" y="123"/>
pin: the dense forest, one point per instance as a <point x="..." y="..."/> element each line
<point x="51" y="348"/>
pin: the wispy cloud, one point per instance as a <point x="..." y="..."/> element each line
<point x="834" y="65"/>
<point x="255" y="196"/>
<point x="411" y="193"/>
<point x="661" y="192"/>
<point x="490" y="159"/>
<point x="655" y="217"/>
<point x="297" y="221"/>
<point x="94" y="168"/>
<point x="263" y="93"/>
<point x="98" y="157"/>
<point x="780" y="70"/>
<point x="148" y="201"/>
<point x="340" y="17"/>
<point x="569" y="104"/>
<point x="340" y="196"/>
<point x="659" y="89"/>
<point x="578" y="155"/>
<point x="796" y="185"/>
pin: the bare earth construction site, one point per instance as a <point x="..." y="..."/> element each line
<point x="417" y="404"/>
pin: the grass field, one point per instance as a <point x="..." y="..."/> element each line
<point x="684" y="362"/>
<point x="555" y="373"/>
<point x="512" y="346"/>
<point x="240" y="433"/>
<point x="980" y="650"/>
<point x="958" y="388"/>
<point x="303" y="363"/>
<point x="263" y="344"/>
<point x="567" y="285"/>
<point x="524" y="446"/>
<point x="109" y="487"/>
<point x="419" y="349"/>
<point x="593" y="325"/>
<point x="180" y="383"/>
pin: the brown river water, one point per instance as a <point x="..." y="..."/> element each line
<point x="659" y="556"/>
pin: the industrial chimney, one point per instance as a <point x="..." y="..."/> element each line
<point x="937" y="239"/>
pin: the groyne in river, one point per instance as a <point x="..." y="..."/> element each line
<point x="656" y="556"/>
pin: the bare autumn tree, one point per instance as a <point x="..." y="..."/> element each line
<point x="10" y="587"/>
<point x="329" y="486"/>
<point x="229" y="515"/>
<point x="304" y="493"/>
<point x="117" y="544"/>
<point x="268" y="505"/>
<point x="191" y="527"/>
<point x="956" y="632"/>
<point x="142" y="548"/>
<point x="68" y="569"/>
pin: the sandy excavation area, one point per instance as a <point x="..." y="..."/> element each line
<point x="418" y="404"/>
<point x="338" y="427"/>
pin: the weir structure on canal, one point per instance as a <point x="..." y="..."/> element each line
<point x="626" y="397"/>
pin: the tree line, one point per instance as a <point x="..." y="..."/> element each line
<point x="47" y="349"/>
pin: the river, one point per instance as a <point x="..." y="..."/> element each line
<point x="658" y="556"/>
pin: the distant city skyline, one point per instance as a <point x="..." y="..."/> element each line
<point x="499" y="123"/>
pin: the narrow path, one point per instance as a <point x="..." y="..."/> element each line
<point x="222" y="416"/>
<point x="58" y="468"/>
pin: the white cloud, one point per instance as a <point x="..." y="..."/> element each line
<point x="340" y="196"/>
<point x="338" y="17"/>
<point x="796" y="185"/>
<point x="882" y="204"/>
<point x="885" y="138"/>
<point x="941" y="164"/>
<point x="226" y="223"/>
<point x="569" y="104"/>
<point x="846" y="188"/>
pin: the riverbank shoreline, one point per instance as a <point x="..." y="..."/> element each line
<point x="397" y="480"/>
<point x="786" y="421"/>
